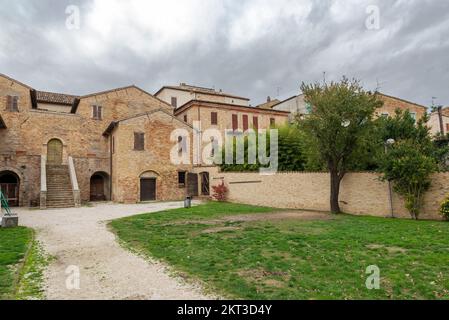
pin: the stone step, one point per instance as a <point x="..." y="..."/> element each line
<point x="60" y="206"/>
<point x="60" y="202"/>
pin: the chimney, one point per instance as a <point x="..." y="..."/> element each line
<point x="268" y="99"/>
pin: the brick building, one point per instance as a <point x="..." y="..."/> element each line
<point x="58" y="150"/>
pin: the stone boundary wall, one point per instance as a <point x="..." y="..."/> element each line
<point x="361" y="193"/>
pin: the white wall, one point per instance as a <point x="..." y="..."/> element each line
<point x="295" y="106"/>
<point x="184" y="97"/>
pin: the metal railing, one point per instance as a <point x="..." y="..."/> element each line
<point x="5" y="205"/>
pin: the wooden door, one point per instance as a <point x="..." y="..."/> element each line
<point x="147" y="189"/>
<point x="97" y="189"/>
<point x="54" y="152"/>
<point x="11" y="193"/>
<point x="192" y="185"/>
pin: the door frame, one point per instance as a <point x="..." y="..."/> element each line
<point x="155" y="188"/>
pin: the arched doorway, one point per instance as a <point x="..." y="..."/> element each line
<point x="99" y="187"/>
<point x="10" y="184"/>
<point x="54" y="152"/>
<point x="148" y="186"/>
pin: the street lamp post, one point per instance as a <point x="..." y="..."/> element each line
<point x="389" y="143"/>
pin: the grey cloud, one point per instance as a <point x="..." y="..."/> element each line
<point x="291" y="51"/>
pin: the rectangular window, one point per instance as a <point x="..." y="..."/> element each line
<point x="413" y="114"/>
<point x="139" y="141"/>
<point x="245" y="123"/>
<point x="235" y="122"/>
<point x="385" y="114"/>
<point x="272" y="122"/>
<point x="185" y="118"/>
<point x="214" y="118"/>
<point x="174" y="102"/>
<point x="182" y="179"/>
<point x="97" y="112"/>
<point x="256" y="123"/>
<point x="12" y="103"/>
<point x="447" y="127"/>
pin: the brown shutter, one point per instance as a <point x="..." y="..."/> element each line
<point x="245" y="122"/>
<point x="256" y="123"/>
<point x="235" y="122"/>
<point x="174" y="102"/>
<point x="15" y="104"/>
<point x="99" y="112"/>
<point x="139" y="141"/>
<point x="8" y="103"/>
<point x="214" y="118"/>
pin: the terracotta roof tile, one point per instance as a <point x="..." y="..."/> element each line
<point x="55" y="98"/>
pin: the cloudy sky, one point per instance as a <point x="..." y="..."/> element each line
<point x="253" y="48"/>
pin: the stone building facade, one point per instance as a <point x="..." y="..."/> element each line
<point x="59" y="150"/>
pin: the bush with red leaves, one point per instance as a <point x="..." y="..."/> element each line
<point x="220" y="192"/>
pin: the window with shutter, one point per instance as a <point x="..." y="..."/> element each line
<point x="256" y="123"/>
<point x="245" y="123"/>
<point x="174" y="102"/>
<point x="235" y="122"/>
<point x="214" y="118"/>
<point x="12" y="103"/>
<point x="185" y="118"/>
<point x="139" y="141"/>
<point x="97" y="112"/>
<point x="272" y="122"/>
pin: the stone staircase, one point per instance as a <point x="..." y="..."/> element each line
<point x="59" y="187"/>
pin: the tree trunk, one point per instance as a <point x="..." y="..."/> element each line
<point x="335" y="192"/>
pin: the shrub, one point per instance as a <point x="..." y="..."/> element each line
<point x="220" y="192"/>
<point x="445" y="209"/>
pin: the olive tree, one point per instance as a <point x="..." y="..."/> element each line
<point x="341" y="114"/>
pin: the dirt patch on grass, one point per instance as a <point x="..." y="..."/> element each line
<point x="391" y="250"/>
<point x="277" y="279"/>
<point x="274" y="216"/>
<point x="220" y="229"/>
<point x="282" y="215"/>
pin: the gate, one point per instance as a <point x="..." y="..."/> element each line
<point x="192" y="185"/>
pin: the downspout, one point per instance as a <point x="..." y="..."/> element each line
<point x="111" y="137"/>
<point x="440" y="118"/>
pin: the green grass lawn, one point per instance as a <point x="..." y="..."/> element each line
<point x="293" y="258"/>
<point x="14" y="244"/>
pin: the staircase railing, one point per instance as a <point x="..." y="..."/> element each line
<point x="5" y="205"/>
<point x="74" y="182"/>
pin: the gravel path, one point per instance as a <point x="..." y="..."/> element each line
<point x="79" y="237"/>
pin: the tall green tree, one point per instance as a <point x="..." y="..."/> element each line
<point x="341" y="115"/>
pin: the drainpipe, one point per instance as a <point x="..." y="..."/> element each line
<point x="440" y="118"/>
<point x="111" y="137"/>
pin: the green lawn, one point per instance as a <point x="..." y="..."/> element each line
<point x="293" y="258"/>
<point x="14" y="244"/>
